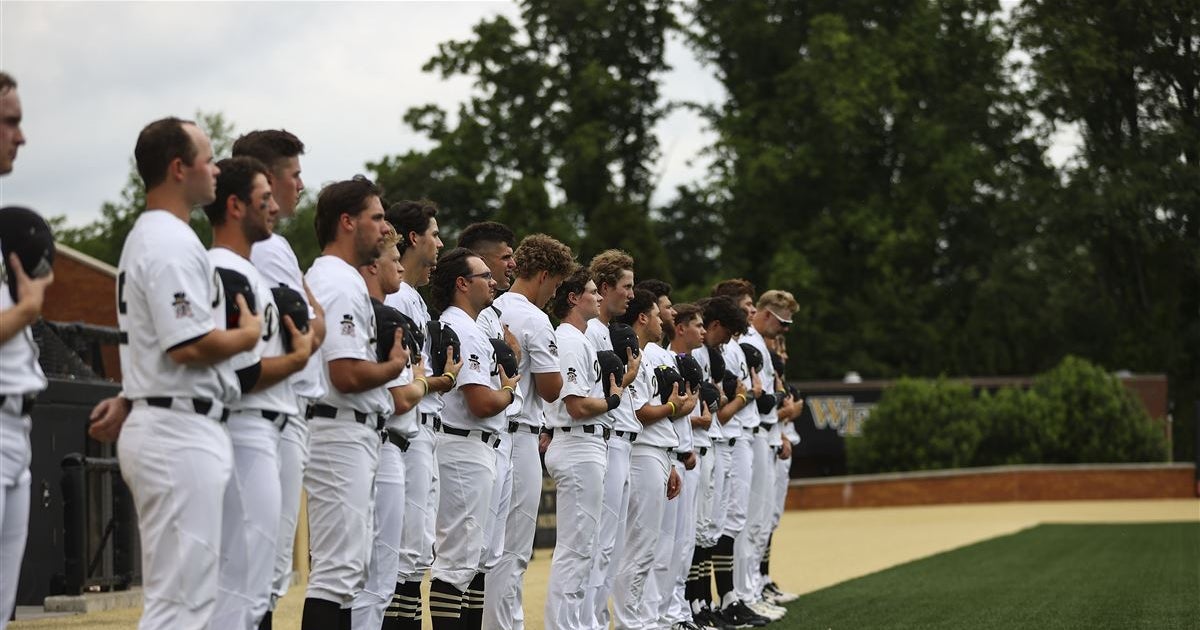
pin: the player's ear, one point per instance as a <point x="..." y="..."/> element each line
<point x="175" y="169"/>
<point x="346" y="222"/>
<point x="233" y="210"/>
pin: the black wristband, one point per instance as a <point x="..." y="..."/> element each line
<point x="613" y="401"/>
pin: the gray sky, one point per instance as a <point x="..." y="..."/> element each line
<point x="339" y="75"/>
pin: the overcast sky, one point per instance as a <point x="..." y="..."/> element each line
<point x="339" y="75"/>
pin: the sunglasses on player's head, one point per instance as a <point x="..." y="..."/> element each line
<point x="784" y="322"/>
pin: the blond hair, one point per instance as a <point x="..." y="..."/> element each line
<point x="778" y="300"/>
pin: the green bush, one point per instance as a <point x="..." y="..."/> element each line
<point x="1074" y="413"/>
<point x="918" y="425"/>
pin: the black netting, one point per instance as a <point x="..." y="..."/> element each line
<point x="74" y="350"/>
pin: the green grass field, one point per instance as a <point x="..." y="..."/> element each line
<point x="1093" y="577"/>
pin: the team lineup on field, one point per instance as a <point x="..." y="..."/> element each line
<point x="413" y="392"/>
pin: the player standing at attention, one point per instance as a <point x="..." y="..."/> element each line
<point x="175" y="453"/>
<point x="244" y="213"/>
<point x="280" y="151"/>
<point x="416" y="222"/>
<point x="541" y="264"/>
<point x="22" y="377"/>
<point x="577" y="455"/>
<point x="612" y="271"/>
<point x="460" y="287"/>
<point x="344" y="425"/>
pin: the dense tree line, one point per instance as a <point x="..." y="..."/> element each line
<point x="887" y="162"/>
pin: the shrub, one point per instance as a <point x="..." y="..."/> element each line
<point x="918" y="425"/>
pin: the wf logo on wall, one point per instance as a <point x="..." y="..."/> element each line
<point x="840" y="413"/>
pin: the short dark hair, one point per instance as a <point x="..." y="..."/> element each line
<point x="657" y="287"/>
<point x="158" y="145"/>
<point x="450" y="267"/>
<point x="345" y="197"/>
<point x="236" y="178"/>
<point x="575" y="283"/>
<point x="685" y="313"/>
<point x="735" y="288"/>
<point x="411" y="216"/>
<point x="723" y="309"/>
<point x="642" y="302"/>
<point x="7" y="82"/>
<point x="269" y="146"/>
<point x="477" y="234"/>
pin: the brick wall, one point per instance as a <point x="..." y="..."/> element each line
<point x="990" y="485"/>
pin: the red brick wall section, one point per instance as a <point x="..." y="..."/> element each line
<point x="1041" y="483"/>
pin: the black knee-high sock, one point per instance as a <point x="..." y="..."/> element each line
<point x="706" y="578"/>
<point x="471" y="613"/>
<point x="764" y="567"/>
<point x="265" y="623"/>
<point x="345" y="619"/>
<point x="691" y="588"/>
<point x="723" y="567"/>
<point x="404" y="612"/>
<point x="445" y="605"/>
<point x="320" y="614"/>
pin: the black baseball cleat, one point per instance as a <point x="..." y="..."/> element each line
<point x="739" y="615"/>
<point x="706" y="618"/>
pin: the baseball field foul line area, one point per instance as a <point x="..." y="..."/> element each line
<point x="1002" y="565"/>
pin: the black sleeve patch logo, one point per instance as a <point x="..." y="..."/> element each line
<point x="183" y="308"/>
<point x="347" y="325"/>
<point x="473" y="362"/>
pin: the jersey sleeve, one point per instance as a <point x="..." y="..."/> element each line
<point x="179" y="292"/>
<point x="350" y="328"/>
<point x="642" y="389"/>
<point x="478" y="361"/>
<point x="540" y="345"/>
<point x="575" y="364"/>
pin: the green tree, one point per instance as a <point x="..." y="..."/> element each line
<point x="558" y="136"/>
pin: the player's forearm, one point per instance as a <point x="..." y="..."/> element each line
<point x="548" y="385"/>
<point x="485" y="402"/>
<point x="405" y="397"/>
<point x="585" y="407"/>
<point x="353" y="376"/>
<point x="649" y="414"/>
<point x="318" y="328"/>
<point x="701" y="422"/>
<point x="214" y="347"/>
<point x="276" y="369"/>
<point x="730" y="409"/>
<point x="15" y="318"/>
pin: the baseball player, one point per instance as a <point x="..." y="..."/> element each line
<point x="675" y="610"/>
<point x="493" y="243"/>
<point x="734" y="610"/>
<point x="662" y="293"/>
<point x="280" y="151"/>
<point x="175" y="452"/>
<point x="243" y="213"/>
<point x="383" y="278"/>
<point x="345" y="424"/>
<point x="541" y="265"/>
<point x="652" y="478"/>
<point x="722" y="320"/>
<point x="416" y="222"/>
<point x="787" y="412"/>
<point x="578" y="453"/>
<point x="612" y="271"/>
<point x="461" y="286"/>
<point x="21" y="299"/>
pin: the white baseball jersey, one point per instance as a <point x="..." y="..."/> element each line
<point x="479" y="368"/>
<point x="21" y="374"/>
<point x="166" y="293"/>
<point x="405" y="423"/>
<point x="277" y="264"/>
<point x="766" y="375"/>
<point x="704" y="437"/>
<point x="350" y="333"/>
<point x="789" y="432"/>
<point x="539" y="351"/>
<point x="683" y="425"/>
<point x="409" y="302"/>
<point x="623" y="417"/>
<point x="747" y="416"/>
<point x="280" y="396"/>
<point x="580" y="375"/>
<point x="489" y="322"/>
<point x="644" y="390"/>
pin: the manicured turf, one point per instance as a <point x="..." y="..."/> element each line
<point x="1090" y="577"/>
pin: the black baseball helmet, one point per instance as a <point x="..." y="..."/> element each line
<point x="233" y="283"/>
<point x="667" y="377"/>
<point x="610" y="366"/>
<point x="25" y="233"/>
<point x="716" y="364"/>
<point x="765" y="402"/>
<point x="710" y="395"/>
<point x="504" y="356"/>
<point x="689" y="369"/>
<point x="441" y="338"/>
<point x="623" y="339"/>
<point x="754" y="358"/>
<point x="289" y="302"/>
